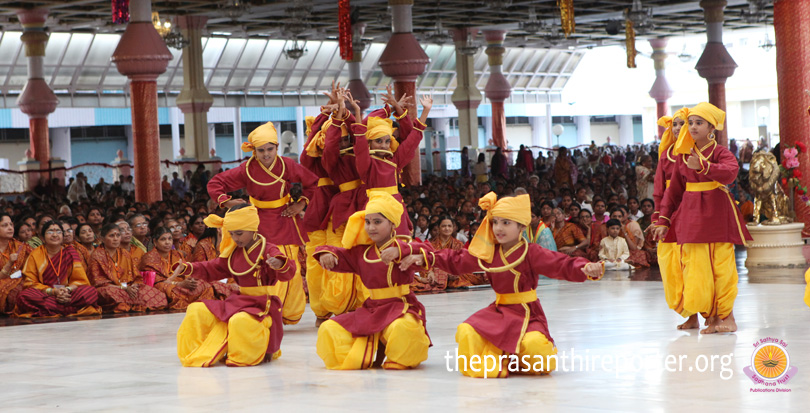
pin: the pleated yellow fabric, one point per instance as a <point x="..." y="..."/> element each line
<point x="291" y="293"/>
<point x="315" y="273"/>
<point x="669" y="261"/>
<point x="668" y="137"/>
<point x="709" y="278"/>
<point x="341" y="292"/>
<point x="482" y="359"/>
<point x="807" y="289"/>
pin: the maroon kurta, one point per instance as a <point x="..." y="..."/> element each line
<point x="258" y="306"/>
<point x="277" y="229"/>
<point x="502" y="325"/>
<point x="375" y="315"/>
<point x="316" y="217"/>
<point x="343" y="170"/>
<point x="383" y="172"/>
<point x="667" y="165"/>
<point x="713" y="215"/>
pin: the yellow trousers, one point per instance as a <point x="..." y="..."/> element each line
<point x="477" y="357"/>
<point x="406" y="345"/>
<point x="315" y="273"/>
<point x="291" y="293"/>
<point x="709" y="279"/>
<point x="807" y="289"/>
<point x="203" y="340"/>
<point x="341" y="292"/>
<point x="669" y="261"/>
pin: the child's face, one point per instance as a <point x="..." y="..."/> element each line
<point x="613" y="231"/>
<point x="506" y="231"/>
<point x="633" y="204"/>
<point x="599" y="208"/>
<point x="646" y="208"/>
<point x="617" y="215"/>
<point x="699" y="127"/>
<point x="535" y="219"/>
<point x="382" y="143"/>
<point x="378" y="227"/>
<point x="421" y="222"/>
<point x="677" y="124"/>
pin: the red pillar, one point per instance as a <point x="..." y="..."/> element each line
<point x="37" y="100"/>
<point x="716" y="64"/>
<point x="791" y="19"/>
<point x="498" y="88"/>
<point x="142" y="55"/>
<point x="404" y="60"/>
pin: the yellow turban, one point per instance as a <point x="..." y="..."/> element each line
<point x="706" y="111"/>
<point x="309" y="121"/>
<point x="668" y="138"/>
<point x="318" y="142"/>
<point x="243" y="219"/>
<point x="517" y="208"/>
<point x="379" y="127"/>
<point x="378" y="203"/>
<point x="261" y="136"/>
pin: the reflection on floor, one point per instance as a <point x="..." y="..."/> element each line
<point x="129" y="363"/>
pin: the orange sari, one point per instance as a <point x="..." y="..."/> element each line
<point x="204" y="251"/>
<point x="179" y="298"/>
<point x="41" y="273"/>
<point x="112" y="274"/>
<point x="10" y="288"/>
<point x="442" y="279"/>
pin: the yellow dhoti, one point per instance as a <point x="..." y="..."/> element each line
<point x="315" y="273"/>
<point x="203" y="340"/>
<point x="406" y="345"/>
<point x="477" y="357"/>
<point x="807" y="289"/>
<point x="709" y="279"/>
<point x="669" y="261"/>
<point x="342" y="292"/>
<point x="291" y="293"/>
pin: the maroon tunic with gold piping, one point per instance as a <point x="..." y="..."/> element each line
<point x="316" y="217"/>
<point x="667" y="165"/>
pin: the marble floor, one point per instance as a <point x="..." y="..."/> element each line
<point x="130" y="364"/>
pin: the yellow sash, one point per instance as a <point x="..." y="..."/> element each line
<point x="258" y="291"/>
<point x="393" y="190"/>
<point x="702" y="186"/>
<point x="278" y="203"/>
<point x="390" y="292"/>
<point x="325" y="182"/>
<point x="348" y="186"/>
<point x="524" y="297"/>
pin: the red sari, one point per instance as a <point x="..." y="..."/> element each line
<point x="442" y="278"/>
<point x="11" y="287"/>
<point x="112" y="274"/>
<point x="42" y="272"/>
<point x="203" y="251"/>
<point x="179" y="298"/>
<point x="505" y="325"/>
<point x="249" y="270"/>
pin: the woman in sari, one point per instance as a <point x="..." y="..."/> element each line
<point x="196" y="226"/>
<point x="206" y="248"/>
<point x="55" y="283"/>
<point x="177" y="236"/>
<point x="86" y="237"/>
<point x="120" y="286"/>
<point x="185" y="291"/>
<point x="437" y="279"/>
<point x="13" y="254"/>
<point x="126" y="242"/>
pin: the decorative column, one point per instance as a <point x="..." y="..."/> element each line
<point x="716" y="64"/>
<point x="141" y="55"/>
<point x="583" y="129"/>
<point x="404" y="60"/>
<point x="194" y="99"/>
<point x="237" y="134"/>
<point x="356" y="85"/>
<point x="660" y="90"/>
<point x="498" y="88"/>
<point x="37" y="100"/>
<point x="466" y="97"/>
<point x="626" y="135"/>
<point x="791" y="19"/>
<point x="174" y="119"/>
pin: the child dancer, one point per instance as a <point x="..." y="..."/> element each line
<point x="247" y="325"/>
<point x="707" y="236"/>
<point x="392" y="315"/>
<point x="267" y="178"/>
<point x="669" y="252"/>
<point x="515" y="323"/>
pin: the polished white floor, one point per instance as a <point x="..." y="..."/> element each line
<point x="130" y="364"/>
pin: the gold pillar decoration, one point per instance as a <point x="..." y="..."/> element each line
<point x="630" y="42"/>
<point x="567" y="16"/>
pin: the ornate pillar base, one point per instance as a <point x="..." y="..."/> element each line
<point x="776" y="246"/>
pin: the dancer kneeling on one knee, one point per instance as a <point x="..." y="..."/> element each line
<point x="392" y="317"/>
<point x="511" y="335"/>
<point x="246" y="326"/>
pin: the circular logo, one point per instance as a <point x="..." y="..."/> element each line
<point x="770" y="361"/>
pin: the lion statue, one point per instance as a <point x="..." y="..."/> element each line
<point x="769" y="198"/>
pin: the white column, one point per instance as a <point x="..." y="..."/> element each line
<point x="174" y="118"/>
<point x="442" y="125"/>
<point x="212" y="138"/>
<point x="625" y="129"/>
<point x="583" y="130"/>
<point x="237" y="133"/>
<point x="301" y="128"/>
<point x="538" y="126"/>
<point x="130" y="143"/>
<point x="60" y="139"/>
<point x="487" y="130"/>
<point x="549" y="121"/>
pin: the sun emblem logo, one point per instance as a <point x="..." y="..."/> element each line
<point x="770" y="361"/>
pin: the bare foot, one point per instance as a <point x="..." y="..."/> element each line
<point x="711" y="326"/>
<point x="691" y="322"/>
<point x="728" y="325"/>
